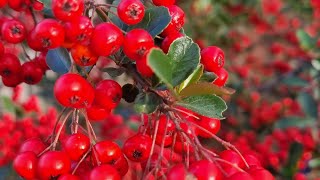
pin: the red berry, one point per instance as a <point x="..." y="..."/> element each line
<point x="108" y="94"/>
<point x="260" y="173"/>
<point x="97" y="113"/>
<point x="240" y="176"/>
<point x="31" y="72"/>
<point x="13" y="31"/>
<point x="3" y="3"/>
<point x="1" y="49"/>
<point x="168" y="41"/>
<point x="107" y="152"/>
<point x="212" y="58"/>
<point x="68" y="177"/>
<point x="37" y="5"/>
<point x="78" y="30"/>
<point x="177" y="172"/>
<point x="9" y="65"/>
<point x="83" y="56"/>
<point x="76" y="146"/>
<point x="232" y="157"/>
<point x="121" y="165"/>
<point x="72" y="90"/>
<point x="204" y="170"/>
<point x="252" y="160"/>
<point x="136" y="44"/>
<point x="12" y="81"/>
<point x="163" y="3"/>
<point x="104" y="172"/>
<point x="222" y="77"/>
<point x="52" y="164"/>
<point x="48" y="34"/>
<point x="41" y="61"/>
<point x="177" y="20"/>
<point x="18" y="5"/>
<point x="130" y="11"/>
<point x="137" y="148"/>
<point x="34" y="144"/>
<point x="106" y="39"/>
<point x="25" y="164"/>
<point x="165" y="122"/>
<point x="143" y="68"/>
<point x="210" y="124"/>
<point x="67" y="10"/>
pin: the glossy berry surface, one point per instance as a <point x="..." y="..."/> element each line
<point x="34" y="144"/>
<point x="130" y="11"/>
<point x="13" y="31"/>
<point x="104" y="172"/>
<point x="137" y="147"/>
<point x="107" y="152"/>
<point x="108" y="94"/>
<point x="48" y="34"/>
<point x="52" y="164"/>
<point x="177" y="172"/>
<point x="67" y="10"/>
<point x="177" y="20"/>
<point x="72" y="90"/>
<point x="31" y="72"/>
<point x="106" y="39"/>
<point x="143" y="68"/>
<point x="163" y="3"/>
<point x="25" y="164"/>
<point x="136" y="44"/>
<point x="204" y="170"/>
<point x="222" y="77"/>
<point x="76" y="146"/>
<point x="78" y="30"/>
<point x="165" y="45"/>
<point x="9" y="65"/>
<point x="212" y="58"/>
<point x="232" y="157"/>
<point x="210" y="124"/>
<point x="97" y="113"/>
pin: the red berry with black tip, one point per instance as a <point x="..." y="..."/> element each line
<point x="78" y="30"/>
<point x="131" y="11"/>
<point x="212" y="58"/>
<point x="52" y="164"/>
<point x="67" y="10"/>
<point x="72" y="90"/>
<point x="31" y="72"/>
<point x="13" y="31"/>
<point x="137" y="43"/>
<point x="12" y="81"/>
<point x="106" y="39"/>
<point x="137" y="148"/>
<point x="9" y="65"/>
<point x="108" y="94"/>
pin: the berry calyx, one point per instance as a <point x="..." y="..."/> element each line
<point x="9" y="65"/>
<point x="13" y="31"/>
<point x="31" y="72"/>
<point x="67" y="10"/>
<point x="137" y="147"/>
<point x="131" y="11"/>
<point x="212" y="58"/>
<point x="83" y="56"/>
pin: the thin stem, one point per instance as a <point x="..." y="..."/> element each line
<point x="81" y="160"/>
<point x="54" y="143"/>
<point x="57" y="122"/>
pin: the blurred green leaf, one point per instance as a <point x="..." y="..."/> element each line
<point x="113" y="72"/>
<point x="308" y="104"/>
<point x="207" y="105"/>
<point x="7" y="104"/>
<point x="295" y="122"/>
<point x="146" y="102"/>
<point x="306" y="42"/>
<point x="314" y="163"/>
<point x="295" y="81"/>
<point x="295" y="153"/>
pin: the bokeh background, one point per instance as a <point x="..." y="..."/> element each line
<point x="272" y="50"/>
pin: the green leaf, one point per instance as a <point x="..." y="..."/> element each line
<point x="206" y="105"/>
<point x="155" y="20"/>
<point x="306" y="42"/>
<point x="295" y="153"/>
<point x="8" y="105"/>
<point x="295" y="81"/>
<point x="314" y="163"/>
<point x="203" y="88"/>
<point x="161" y="66"/>
<point x="193" y="78"/>
<point x="113" y="72"/>
<point x="59" y="60"/>
<point x="308" y="104"/>
<point x="146" y="102"/>
<point x="294" y="122"/>
<point x="184" y="55"/>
